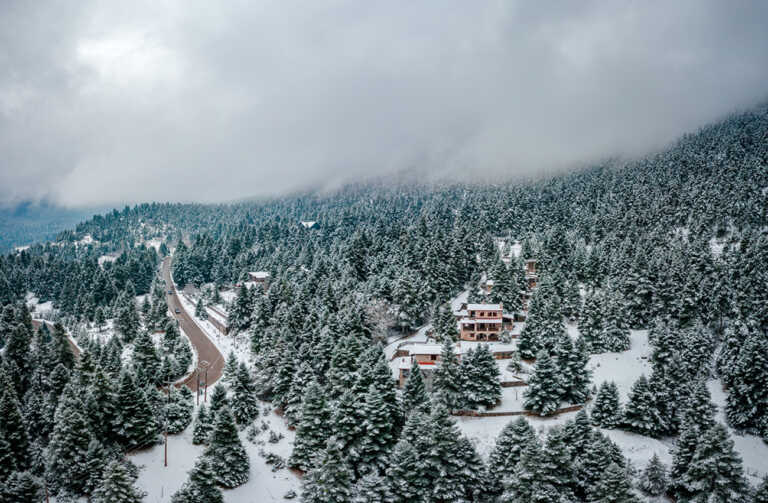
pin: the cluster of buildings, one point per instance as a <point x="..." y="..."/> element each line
<point x="429" y="355"/>
<point x="476" y="323"/>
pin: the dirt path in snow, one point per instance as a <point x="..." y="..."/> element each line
<point x="72" y="345"/>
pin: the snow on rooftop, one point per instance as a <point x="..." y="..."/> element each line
<point x="425" y="349"/>
<point x="460" y="299"/>
<point x="259" y="274"/>
<point x="484" y="307"/>
<point x="308" y="223"/>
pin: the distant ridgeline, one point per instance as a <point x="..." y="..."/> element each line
<point x="654" y="221"/>
<point x="29" y="223"/>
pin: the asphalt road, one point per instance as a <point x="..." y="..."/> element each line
<point x="205" y="349"/>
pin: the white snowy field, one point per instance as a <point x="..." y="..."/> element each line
<point x="161" y="482"/>
<point x="624" y="369"/>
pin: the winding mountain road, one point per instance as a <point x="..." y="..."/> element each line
<point x="205" y="349"/>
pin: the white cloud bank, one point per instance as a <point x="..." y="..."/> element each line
<point x="111" y="102"/>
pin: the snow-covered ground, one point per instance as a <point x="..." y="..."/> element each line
<point x="153" y="243"/>
<point x="37" y="309"/>
<point x="107" y="258"/>
<point x="161" y="482"/>
<point x="419" y="336"/>
<point x="624" y="369"/>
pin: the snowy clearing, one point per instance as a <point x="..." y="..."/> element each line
<point x="161" y="482"/>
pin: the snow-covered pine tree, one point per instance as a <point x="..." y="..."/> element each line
<point x="641" y="415"/>
<point x="456" y="468"/>
<point x="371" y="488"/>
<point x="591" y="322"/>
<point x="414" y="391"/>
<point x="377" y="432"/>
<point x="715" y="472"/>
<point x="331" y="480"/>
<point x="558" y="470"/>
<point x="579" y="377"/>
<point x="101" y="405"/>
<point x="311" y="431"/>
<point x="406" y="479"/>
<point x="529" y="343"/>
<point x="343" y="372"/>
<point x="135" y="424"/>
<point x="245" y="403"/>
<point x="301" y="379"/>
<point x="682" y="454"/>
<point x="653" y="480"/>
<point x="544" y="390"/>
<point x="381" y="379"/>
<point x="117" y="486"/>
<point x="607" y="412"/>
<point x="347" y="425"/>
<point x="22" y="487"/>
<point x="489" y="385"/>
<point x="614" y="335"/>
<point x="614" y="486"/>
<point x="761" y="492"/>
<point x="203" y="426"/>
<point x="507" y="451"/>
<point x="594" y="461"/>
<point x="145" y="358"/>
<point x="699" y="409"/>
<point x="225" y="451"/>
<point x="12" y="428"/>
<point x="177" y="410"/>
<point x="68" y="450"/>
<point x="239" y="314"/>
<point x="200" y="311"/>
<point x="231" y="368"/>
<point x="447" y="378"/>
<point x="527" y="481"/>
<point x="747" y="403"/>
<point x="219" y="398"/>
<point x="201" y="485"/>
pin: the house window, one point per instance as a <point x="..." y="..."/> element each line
<point x="433" y="357"/>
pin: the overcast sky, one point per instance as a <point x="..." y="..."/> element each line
<point x="110" y="102"/>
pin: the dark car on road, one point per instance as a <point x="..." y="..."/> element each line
<point x="178" y="310"/>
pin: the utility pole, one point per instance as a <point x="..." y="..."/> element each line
<point x="197" y="389"/>
<point x="205" y="393"/>
<point x="165" y="433"/>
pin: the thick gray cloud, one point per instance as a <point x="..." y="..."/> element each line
<point x="110" y="102"/>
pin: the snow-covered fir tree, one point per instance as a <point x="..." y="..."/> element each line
<point x="202" y="426"/>
<point x="331" y="480"/>
<point x="653" y="480"/>
<point x="200" y="486"/>
<point x="545" y="389"/>
<point x="117" y="486"/>
<point x="606" y="411"/>
<point x="225" y="451"/>
<point x="311" y="431"/>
